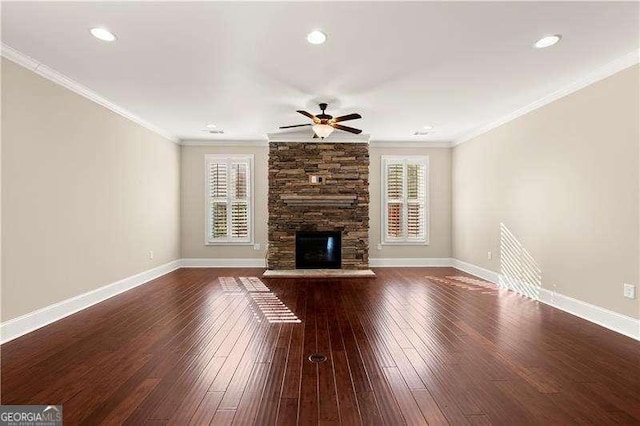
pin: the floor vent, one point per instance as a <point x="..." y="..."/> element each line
<point x="316" y="358"/>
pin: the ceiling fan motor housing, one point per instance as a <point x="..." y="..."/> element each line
<point x="324" y="116"/>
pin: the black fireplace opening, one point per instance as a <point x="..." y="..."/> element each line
<point x="318" y="250"/>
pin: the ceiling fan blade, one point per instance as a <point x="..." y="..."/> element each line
<point x="295" y="125"/>
<point x="346" y="117"/>
<point x="308" y="114"/>
<point x="347" y="129"/>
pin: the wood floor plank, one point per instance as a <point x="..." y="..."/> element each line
<point x="268" y="410"/>
<point x="207" y="409"/>
<point x="248" y="407"/>
<point x="367" y="406"/>
<point x="410" y="409"/>
<point x="429" y="407"/>
<point x="223" y="417"/>
<point x="120" y="413"/>
<point x="288" y="411"/>
<point x="308" y="400"/>
<point x="196" y="393"/>
<point x="291" y="383"/>
<point x="328" y="411"/>
<point x="411" y="346"/>
<point x="349" y="410"/>
<point x="272" y="393"/>
<point x="389" y="409"/>
<point x="238" y="382"/>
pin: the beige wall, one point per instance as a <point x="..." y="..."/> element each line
<point x="86" y="194"/>
<point x="193" y="211"/>
<point x="439" y="205"/>
<point x="564" y="180"/>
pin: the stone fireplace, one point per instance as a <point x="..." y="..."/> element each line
<point x="318" y="188"/>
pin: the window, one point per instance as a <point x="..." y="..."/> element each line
<point x="229" y="199"/>
<point x="405" y="205"/>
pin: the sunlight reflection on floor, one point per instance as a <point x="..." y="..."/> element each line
<point x="466" y="283"/>
<point x="264" y="303"/>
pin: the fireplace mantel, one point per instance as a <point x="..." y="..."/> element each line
<point x="318" y="200"/>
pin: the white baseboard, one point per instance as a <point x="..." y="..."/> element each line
<point x="390" y="262"/>
<point x="608" y="319"/>
<point x="27" y="323"/>
<point x="224" y="263"/>
<point x="479" y="272"/>
<point x="24" y="324"/>
<point x="612" y="320"/>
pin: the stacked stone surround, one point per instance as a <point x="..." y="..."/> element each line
<point x="345" y="171"/>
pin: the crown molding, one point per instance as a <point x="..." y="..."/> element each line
<point x="265" y="143"/>
<point x="601" y="73"/>
<point x="409" y="144"/>
<point x="217" y="142"/>
<point x="305" y="138"/>
<point x="66" y="82"/>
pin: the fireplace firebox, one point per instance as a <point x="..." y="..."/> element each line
<point x="318" y="250"/>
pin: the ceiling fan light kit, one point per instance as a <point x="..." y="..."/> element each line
<point x="322" y="130"/>
<point x="324" y="124"/>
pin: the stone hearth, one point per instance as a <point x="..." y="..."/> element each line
<point x="320" y="273"/>
<point x="339" y="203"/>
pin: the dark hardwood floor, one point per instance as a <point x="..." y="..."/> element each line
<point x="408" y="347"/>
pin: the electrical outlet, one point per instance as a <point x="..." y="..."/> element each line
<point x="489" y="256"/>
<point x="379" y="246"/>
<point x="256" y="246"/>
<point x="150" y="254"/>
<point x="630" y="291"/>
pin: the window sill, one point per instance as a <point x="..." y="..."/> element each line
<point x="228" y="243"/>
<point x="404" y="243"/>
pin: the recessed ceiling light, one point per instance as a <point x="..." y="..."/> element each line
<point x="211" y="126"/>
<point x="102" y="34"/>
<point x="547" y="41"/>
<point x="316" y="37"/>
<point x="420" y="133"/>
<point x="428" y="127"/>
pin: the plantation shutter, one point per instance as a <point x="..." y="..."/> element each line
<point x="218" y="200"/>
<point x="415" y="200"/>
<point x="405" y="199"/>
<point x="239" y="200"/>
<point x="395" y="193"/>
<point x="229" y="199"/>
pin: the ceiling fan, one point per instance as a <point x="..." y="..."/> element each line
<point x="323" y="124"/>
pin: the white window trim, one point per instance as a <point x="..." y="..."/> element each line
<point x="209" y="158"/>
<point x="424" y="159"/>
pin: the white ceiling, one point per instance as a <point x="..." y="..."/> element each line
<point x="247" y="66"/>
